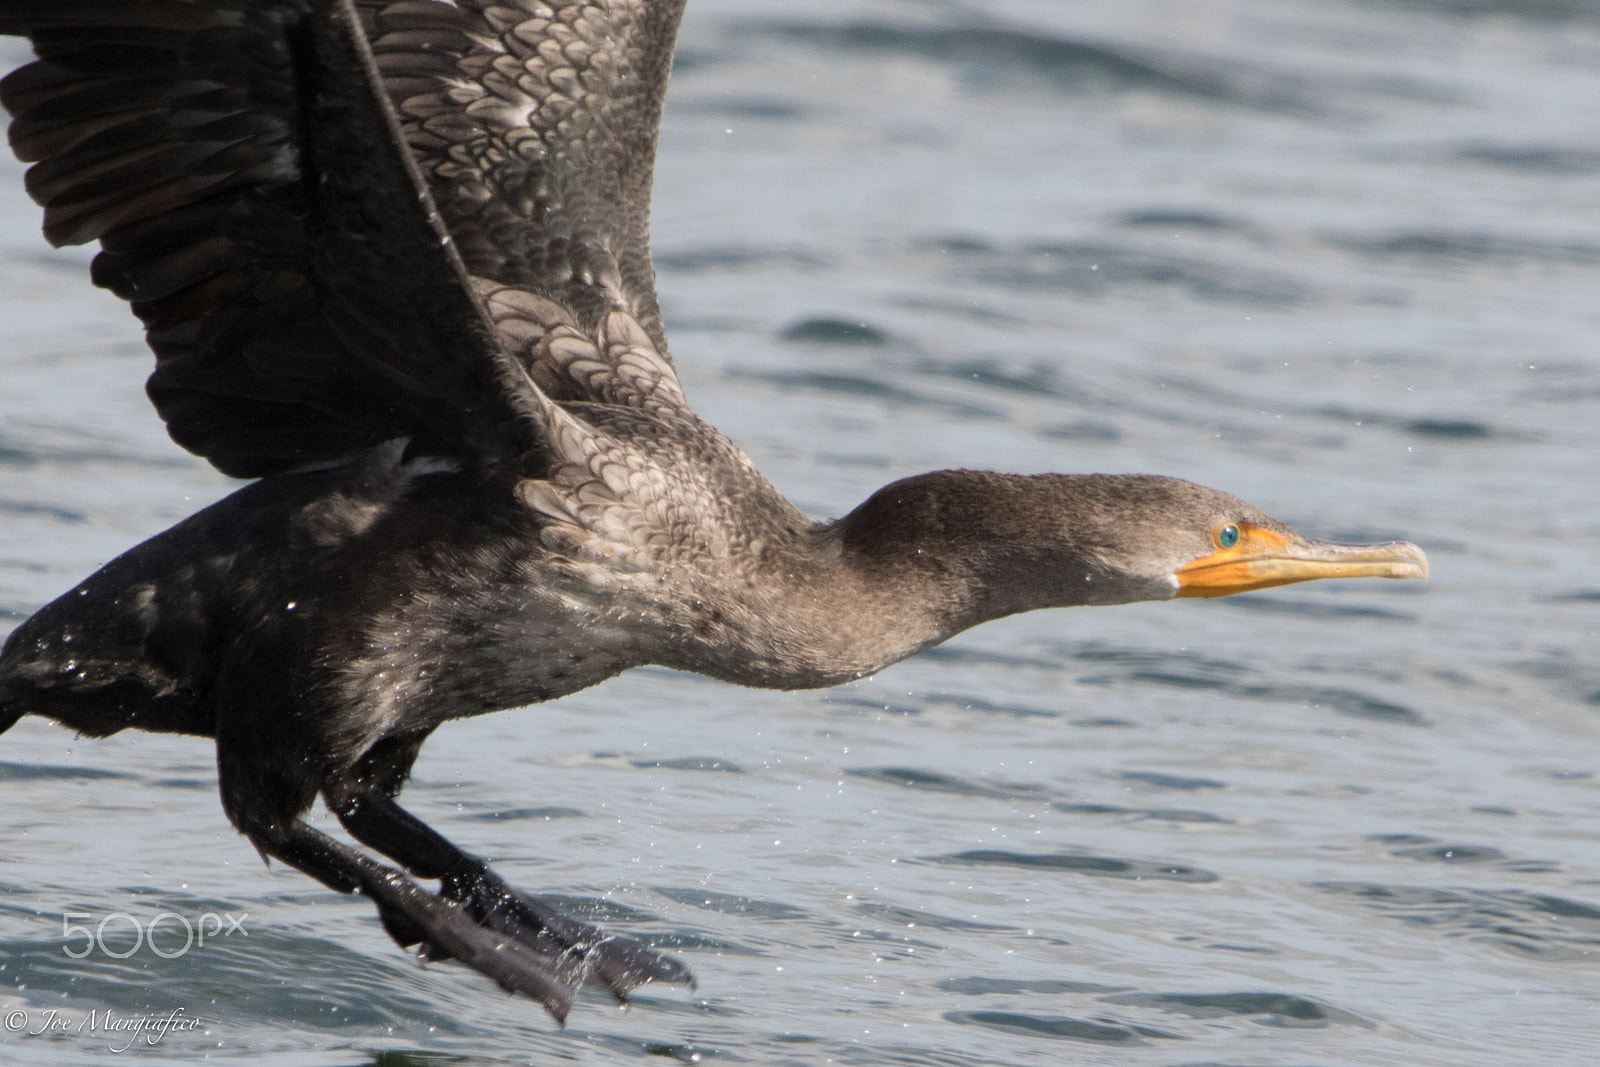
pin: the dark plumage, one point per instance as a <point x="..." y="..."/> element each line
<point x="392" y="258"/>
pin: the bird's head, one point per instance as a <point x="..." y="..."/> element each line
<point x="1016" y="542"/>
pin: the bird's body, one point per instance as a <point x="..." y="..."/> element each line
<point x="392" y="258"/>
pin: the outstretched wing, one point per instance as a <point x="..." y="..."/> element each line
<point x="240" y="165"/>
<point x="534" y="123"/>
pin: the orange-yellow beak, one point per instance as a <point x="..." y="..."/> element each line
<point x="1259" y="559"/>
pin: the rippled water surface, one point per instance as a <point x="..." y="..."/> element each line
<point x="1340" y="258"/>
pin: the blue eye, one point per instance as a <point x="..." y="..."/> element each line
<point x="1228" y="536"/>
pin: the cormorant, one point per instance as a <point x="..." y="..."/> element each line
<point x="392" y="259"/>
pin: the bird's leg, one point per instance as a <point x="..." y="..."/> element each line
<point x="573" y="953"/>
<point x="411" y="914"/>
<point x="265" y="790"/>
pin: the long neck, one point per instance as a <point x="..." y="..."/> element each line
<point x="918" y="562"/>
<point x="813" y="615"/>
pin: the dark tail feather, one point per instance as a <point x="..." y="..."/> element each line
<point x="11" y="708"/>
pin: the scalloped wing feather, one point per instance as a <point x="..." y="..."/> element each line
<point x="535" y="124"/>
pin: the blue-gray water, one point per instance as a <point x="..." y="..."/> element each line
<point x="1339" y="258"/>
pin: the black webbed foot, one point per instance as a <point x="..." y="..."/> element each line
<point x="518" y="940"/>
<point x="577" y="953"/>
<point x="525" y="945"/>
<point x="411" y="914"/>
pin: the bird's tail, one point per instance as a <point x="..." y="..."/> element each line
<point x="11" y="708"/>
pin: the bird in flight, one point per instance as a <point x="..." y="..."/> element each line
<point x="392" y="259"/>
